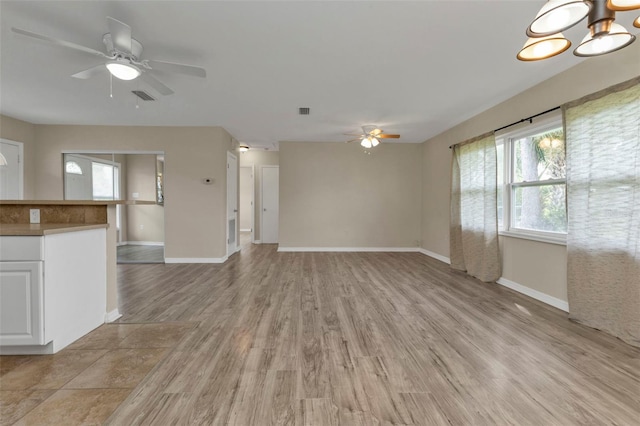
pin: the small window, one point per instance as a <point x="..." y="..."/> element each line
<point x="73" y="168"/>
<point x="532" y="182"/>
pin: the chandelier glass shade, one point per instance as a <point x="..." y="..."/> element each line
<point x="536" y="49"/>
<point x="618" y="5"/>
<point x="558" y="15"/>
<point x="605" y="36"/>
<point x="616" y="39"/>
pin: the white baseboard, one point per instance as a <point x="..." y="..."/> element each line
<point x="141" y="243"/>
<point x="349" y="249"/>
<point x="112" y="316"/>
<point x="535" y="294"/>
<point x="245" y="230"/>
<point x="437" y="256"/>
<point x="195" y="259"/>
<point x="27" y="350"/>
<point x="527" y="291"/>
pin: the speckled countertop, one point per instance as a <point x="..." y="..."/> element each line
<point x="40" y="229"/>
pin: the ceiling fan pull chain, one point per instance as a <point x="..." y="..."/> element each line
<point x="110" y="85"/>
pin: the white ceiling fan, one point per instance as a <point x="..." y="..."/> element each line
<point x="371" y="136"/>
<point x="122" y="57"/>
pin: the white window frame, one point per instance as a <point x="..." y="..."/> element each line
<point x="507" y="139"/>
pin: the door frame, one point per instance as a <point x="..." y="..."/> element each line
<point x="20" y="146"/>
<point x="262" y="198"/>
<point x="253" y="199"/>
<point x="232" y="157"/>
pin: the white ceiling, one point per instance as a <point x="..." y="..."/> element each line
<point x="414" y="68"/>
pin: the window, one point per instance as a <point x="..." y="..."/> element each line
<point x="73" y="168"/>
<point x="532" y="182"/>
<point x="105" y="181"/>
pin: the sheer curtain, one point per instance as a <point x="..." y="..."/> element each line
<point x="603" y="204"/>
<point x="474" y="224"/>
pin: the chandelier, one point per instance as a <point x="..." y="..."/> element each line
<point x="604" y="36"/>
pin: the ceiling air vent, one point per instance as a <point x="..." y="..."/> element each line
<point x="143" y="95"/>
<point x="304" y="111"/>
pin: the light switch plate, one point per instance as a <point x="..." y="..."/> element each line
<point x="34" y="215"/>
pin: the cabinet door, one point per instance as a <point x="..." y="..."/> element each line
<point x="21" y="304"/>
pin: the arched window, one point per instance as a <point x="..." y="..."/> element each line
<point x="73" y="168"/>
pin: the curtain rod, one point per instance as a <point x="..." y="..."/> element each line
<point x="529" y="119"/>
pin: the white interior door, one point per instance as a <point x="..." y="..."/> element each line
<point x="270" y="204"/>
<point x="232" y="204"/>
<point x="11" y="172"/>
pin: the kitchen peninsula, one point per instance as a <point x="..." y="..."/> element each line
<point x="58" y="277"/>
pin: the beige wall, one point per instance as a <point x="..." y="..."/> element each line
<point x="258" y="158"/>
<point x="334" y="195"/>
<point x="539" y="266"/>
<point x="145" y="222"/>
<point x="21" y="131"/>
<point x="195" y="213"/>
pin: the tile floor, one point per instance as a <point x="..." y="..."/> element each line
<point x="85" y="382"/>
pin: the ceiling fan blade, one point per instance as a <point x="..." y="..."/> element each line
<point x="88" y="73"/>
<point x="120" y="34"/>
<point x="179" y="68"/>
<point x="59" y="42"/>
<point x="155" y="84"/>
<point x="353" y="140"/>
<point x="383" y="136"/>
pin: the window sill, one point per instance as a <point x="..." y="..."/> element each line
<point x="560" y="240"/>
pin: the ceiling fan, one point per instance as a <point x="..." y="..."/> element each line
<point x="371" y="136"/>
<point x="123" y="57"/>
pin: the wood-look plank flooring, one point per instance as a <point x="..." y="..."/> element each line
<point x="140" y="254"/>
<point x="366" y="339"/>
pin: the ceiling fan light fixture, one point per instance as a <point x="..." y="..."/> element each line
<point x="366" y="142"/>
<point x="122" y="69"/>
<point x="617" y="38"/>
<point x="558" y="15"/>
<point x="619" y="5"/>
<point x="536" y="49"/>
<point x="374" y="141"/>
<point x="243" y="148"/>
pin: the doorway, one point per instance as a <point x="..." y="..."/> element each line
<point x="232" y="204"/>
<point x="11" y="170"/>
<point x="247" y="203"/>
<point x="269" y="194"/>
<point x="137" y="176"/>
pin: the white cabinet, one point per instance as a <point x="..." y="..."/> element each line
<point x="21" y="307"/>
<point x="52" y="290"/>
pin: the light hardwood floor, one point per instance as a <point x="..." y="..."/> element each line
<point x="366" y="339"/>
<point x="330" y="339"/>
